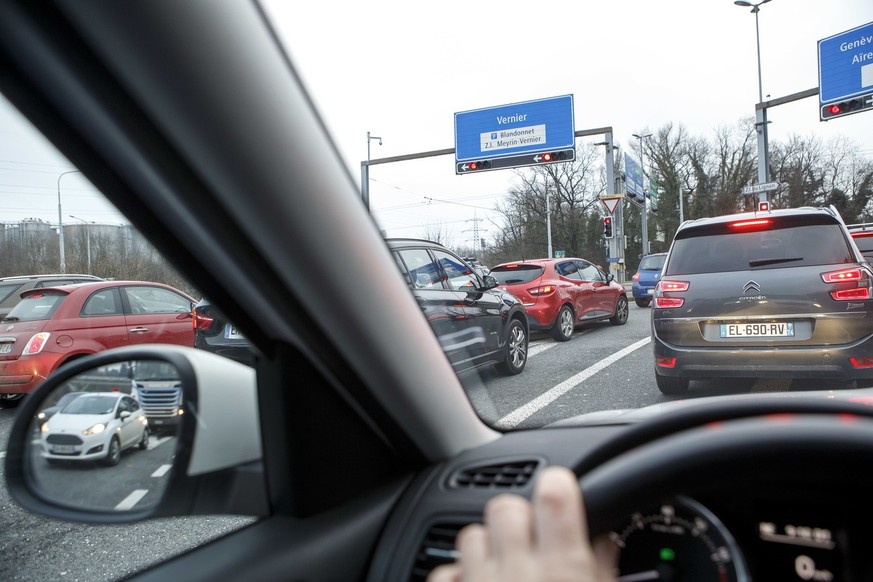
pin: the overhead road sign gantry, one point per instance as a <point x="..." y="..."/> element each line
<point x="508" y="136"/>
<point x="845" y="73"/>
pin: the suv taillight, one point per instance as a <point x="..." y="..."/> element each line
<point x="200" y="321"/>
<point x="668" y="285"/>
<point x="861" y="291"/>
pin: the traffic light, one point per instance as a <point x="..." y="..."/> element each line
<point x="558" y="156"/>
<point x="483" y="165"/>
<point x="607" y="227"/>
<point x="833" y="110"/>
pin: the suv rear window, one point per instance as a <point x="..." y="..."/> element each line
<point x="7" y="289"/>
<point x="513" y="274"/>
<point x="783" y="244"/>
<point x="36" y="307"/>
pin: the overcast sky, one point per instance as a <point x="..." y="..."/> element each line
<point x="402" y="69"/>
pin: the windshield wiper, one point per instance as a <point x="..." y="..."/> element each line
<point x="761" y="262"/>
<point x="511" y="281"/>
<point x="13" y="318"/>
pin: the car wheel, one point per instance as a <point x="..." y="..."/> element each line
<point x="642" y="302"/>
<point x="621" y="311"/>
<point x="113" y="456"/>
<point x="671" y="384"/>
<point x="516" y="349"/>
<point x="144" y="441"/>
<point x="11" y="400"/>
<point x="565" y="323"/>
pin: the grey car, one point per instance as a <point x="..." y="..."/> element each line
<point x="11" y="288"/>
<point x="778" y="294"/>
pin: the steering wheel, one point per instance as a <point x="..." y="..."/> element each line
<point x="723" y="449"/>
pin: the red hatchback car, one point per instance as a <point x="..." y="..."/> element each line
<point x="54" y="325"/>
<point x="559" y="294"/>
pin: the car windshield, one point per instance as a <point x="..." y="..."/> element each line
<point x="91" y="405"/>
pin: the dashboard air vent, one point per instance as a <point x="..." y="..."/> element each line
<point x="437" y="548"/>
<point x="509" y="475"/>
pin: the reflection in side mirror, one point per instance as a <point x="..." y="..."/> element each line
<point x="105" y="439"/>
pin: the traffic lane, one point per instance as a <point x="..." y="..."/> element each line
<point x="138" y="480"/>
<point x="550" y="363"/>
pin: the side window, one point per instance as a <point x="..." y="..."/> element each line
<point x="103" y="302"/>
<point x="422" y="271"/>
<point x="123" y="406"/>
<point x="402" y="268"/>
<point x="568" y="270"/>
<point x="460" y="275"/>
<point x="589" y="272"/>
<point x="132" y="404"/>
<point x="145" y="299"/>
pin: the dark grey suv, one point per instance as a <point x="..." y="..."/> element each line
<point x="785" y="293"/>
<point x="476" y="323"/>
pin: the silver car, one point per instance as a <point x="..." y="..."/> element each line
<point x="784" y="293"/>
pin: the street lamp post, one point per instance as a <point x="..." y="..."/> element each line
<point x="760" y="114"/>
<point x="365" y="172"/>
<point x="88" y="234"/>
<point x="61" y="221"/>
<point x="645" y="211"/>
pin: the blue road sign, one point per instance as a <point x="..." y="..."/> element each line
<point x="845" y="65"/>
<point x="633" y="178"/>
<point x="541" y="125"/>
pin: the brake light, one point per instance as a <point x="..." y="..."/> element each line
<point x="542" y="290"/>
<point x="673" y="285"/>
<point x="846" y="275"/>
<point x="856" y="294"/>
<point x="758" y="223"/>
<point x="861" y="291"/>
<point x="636" y="277"/>
<point x="862" y="362"/>
<point x="35" y="344"/>
<point x="200" y="321"/>
<point x="668" y="302"/>
<point x="664" y="362"/>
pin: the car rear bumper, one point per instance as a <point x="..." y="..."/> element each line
<point x="642" y="291"/>
<point x="825" y="362"/>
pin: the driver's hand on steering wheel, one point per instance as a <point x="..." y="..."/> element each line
<point x="546" y="540"/>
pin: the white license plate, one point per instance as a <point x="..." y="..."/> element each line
<point x="231" y="332"/>
<point x="61" y="449"/>
<point x="651" y="291"/>
<point x="757" y="330"/>
<point x="5" y="348"/>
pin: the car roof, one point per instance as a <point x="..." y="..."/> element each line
<point x="404" y="242"/>
<point x="48" y="277"/>
<point x="782" y="212"/>
<point x="540" y="262"/>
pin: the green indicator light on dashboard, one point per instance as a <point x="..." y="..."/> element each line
<point x="667" y="554"/>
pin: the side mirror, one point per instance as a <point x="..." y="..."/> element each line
<point x="610" y="278"/>
<point x="490" y="282"/>
<point x="69" y="457"/>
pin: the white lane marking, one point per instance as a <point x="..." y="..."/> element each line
<point x="156" y="442"/>
<point x="131" y="500"/>
<point x="523" y="412"/>
<point x="538" y="349"/>
<point x="162" y="470"/>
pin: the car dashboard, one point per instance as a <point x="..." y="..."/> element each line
<point x="774" y="509"/>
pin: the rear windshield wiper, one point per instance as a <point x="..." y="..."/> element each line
<point x="13" y="318"/>
<point x="511" y="281"/>
<point x="762" y="262"/>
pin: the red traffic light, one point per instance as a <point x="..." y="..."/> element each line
<point x="842" y="108"/>
<point x="607" y="227"/>
<point x="547" y="157"/>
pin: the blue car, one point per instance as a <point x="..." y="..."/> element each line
<point x="646" y="278"/>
